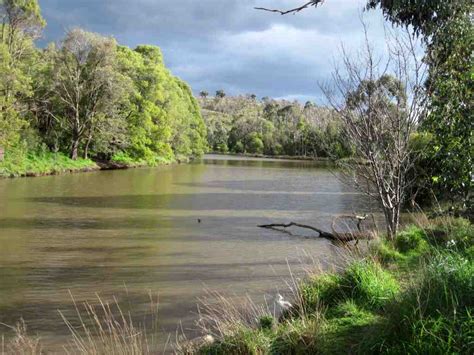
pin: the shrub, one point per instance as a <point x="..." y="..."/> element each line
<point x="320" y="290"/>
<point x="453" y="233"/>
<point x="266" y="322"/>
<point x="123" y="158"/>
<point x="238" y="147"/>
<point x="367" y="283"/>
<point x="413" y="239"/>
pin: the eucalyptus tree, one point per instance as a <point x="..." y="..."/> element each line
<point x="86" y="87"/>
<point x="21" y="23"/>
<point x="380" y="106"/>
<point x="21" y="19"/>
<point x="220" y="94"/>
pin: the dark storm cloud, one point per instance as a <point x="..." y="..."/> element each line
<point x="226" y="44"/>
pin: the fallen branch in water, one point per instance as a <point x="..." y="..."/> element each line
<point x="337" y="237"/>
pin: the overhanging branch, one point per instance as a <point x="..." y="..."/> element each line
<point x="295" y="10"/>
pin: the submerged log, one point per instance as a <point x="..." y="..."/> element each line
<point x="335" y="236"/>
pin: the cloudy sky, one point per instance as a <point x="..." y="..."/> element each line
<point x="226" y="44"/>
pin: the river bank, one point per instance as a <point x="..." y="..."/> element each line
<point x="47" y="164"/>
<point x="279" y="157"/>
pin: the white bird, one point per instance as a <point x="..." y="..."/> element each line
<point x="284" y="304"/>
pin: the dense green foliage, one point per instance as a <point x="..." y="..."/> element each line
<point x="244" y="124"/>
<point x="448" y="31"/>
<point x="418" y="303"/>
<point x="451" y="119"/>
<point x="89" y="97"/>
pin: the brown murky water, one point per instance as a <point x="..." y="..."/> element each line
<point x="96" y="232"/>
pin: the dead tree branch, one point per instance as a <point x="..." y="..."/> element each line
<point x="295" y="10"/>
<point x="337" y="237"/>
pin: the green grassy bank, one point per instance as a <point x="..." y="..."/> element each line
<point x="413" y="295"/>
<point x="17" y="165"/>
<point x="47" y="163"/>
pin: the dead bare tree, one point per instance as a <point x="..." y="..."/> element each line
<point x="379" y="103"/>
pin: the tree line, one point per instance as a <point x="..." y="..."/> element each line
<point x="245" y="124"/>
<point x="88" y="96"/>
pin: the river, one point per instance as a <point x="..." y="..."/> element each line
<point x="176" y="231"/>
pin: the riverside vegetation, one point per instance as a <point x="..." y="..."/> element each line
<point x="411" y="295"/>
<point x="247" y="125"/>
<point x="87" y="97"/>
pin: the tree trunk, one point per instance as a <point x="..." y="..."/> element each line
<point x="392" y="220"/>
<point x="75" y="149"/>
<point x="86" y="149"/>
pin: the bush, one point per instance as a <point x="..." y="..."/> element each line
<point x="123" y="158"/>
<point x="320" y="290"/>
<point x="238" y="147"/>
<point x="413" y="239"/>
<point x="454" y="233"/>
<point x="255" y="144"/>
<point x="222" y="148"/>
<point x="266" y="322"/>
<point x="20" y="163"/>
<point x="368" y="284"/>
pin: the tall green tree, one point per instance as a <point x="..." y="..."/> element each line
<point x="164" y="119"/>
<point x="87" y="88"/>
<point x="21" y="24"/>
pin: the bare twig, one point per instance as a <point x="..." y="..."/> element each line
<point x="295" y="10"/>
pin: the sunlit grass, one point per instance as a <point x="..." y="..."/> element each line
<point x="45" y="163"/>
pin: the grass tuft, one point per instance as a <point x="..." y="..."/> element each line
<point x="365" y="282"/>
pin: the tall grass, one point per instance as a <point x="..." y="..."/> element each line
<point x="22" y="343"/>
<point x="99" y="327"/>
